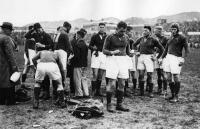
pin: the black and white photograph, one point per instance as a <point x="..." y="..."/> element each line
<point x="100" y="64"/>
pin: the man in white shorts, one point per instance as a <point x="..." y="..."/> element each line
<point x="161" y="80"/>
<point x="133" y="59"/>
<point x="116" y="47"/>
<point x="98" y="60"/>
<point x="147" y="45"/>
<point x="48" y="65"/>
<point x="174" y="60"/>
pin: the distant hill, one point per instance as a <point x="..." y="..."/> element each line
<point x="185" y="16"/>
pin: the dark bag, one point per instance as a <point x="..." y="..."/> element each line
<point x="88" y="109"/>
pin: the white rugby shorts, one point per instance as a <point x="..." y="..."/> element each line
<point x="117" y="67"/>
<point x="145" y="62"/>
<point x="171" y="64"/>
<point x="133" y="63"/>
<point x="51" y="69"/>
<point x="98" y="62"/>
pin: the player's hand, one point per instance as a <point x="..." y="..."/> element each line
<point x="182" y="62"/>
<point x="153" y="58"/>
<point x="70" y="56"/>
<point x="40" y="45"/>
<point x="160" y="61"/>
<point x="137" y="53"/>
<point x="115" y="52"/>
<point x="94" y="48"/>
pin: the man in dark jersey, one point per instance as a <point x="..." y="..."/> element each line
<point x="98" y="59"/>
<point x="174" y="60"/>
<point x="145" y="61"/>
<point x="29" y="53"/>
<point x="43" y="42"/>
<point x="116" y="47"/>
<point x="161" y="81"/>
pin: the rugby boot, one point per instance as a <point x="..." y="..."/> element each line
<point x="120" y="107"/>
<point x="164" y="88"/>
<point x="55" y="93"/>
<point x="159" y="91"/>
<point x="36" y="97"/>
<point x="176" y="92"/>
<point x="98" y="88"/>
<point x="93" y="86"/>
<point x="109" y="104"/>
<point x="134" y="84"/>
<point x="172" y="87"/>
<point x="150" y="85"/>
<point x="141" y="86"/>
<point x="61" y="100"/>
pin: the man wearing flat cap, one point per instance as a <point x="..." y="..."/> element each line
<point x="43" y="42"/>
<point x="147" y="45"/>
<point x="79" y="63"/>
<point x="8" y="65"/>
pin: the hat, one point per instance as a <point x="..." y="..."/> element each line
<point x="147" y="27"/>
<point x="37" y="26"/>
<point x="82" y="32"/>
<point x="67" y="25"/>
<point x="7" y="25"/>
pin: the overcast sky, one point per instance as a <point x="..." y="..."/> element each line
<point x="21" y="12"/>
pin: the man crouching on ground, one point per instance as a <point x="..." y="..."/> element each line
<point x="48" y="65"/>
<point x="116" y="48"/>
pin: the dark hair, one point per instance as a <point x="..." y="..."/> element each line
<point x="102" y="23"/>
<point x="175" y="25"/>
<point x="82" y="32"/>
<point x="129" y="28"/>
<point x="147" y="27"/>
<point x="122" y="24"/>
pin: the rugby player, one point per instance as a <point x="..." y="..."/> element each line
<point x="161" y="80"/>
<point x="98" y="59"/>
<point x="145" y="61"/>
<point x="116" y="47"/>
<point x="174" y="60"/>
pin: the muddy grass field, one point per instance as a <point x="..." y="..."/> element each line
<point x="145" y="113"/>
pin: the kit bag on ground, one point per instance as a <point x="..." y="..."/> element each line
<point x="88" y="109"/>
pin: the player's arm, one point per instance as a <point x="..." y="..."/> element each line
<point x="165" y="52"/>
<point x="160" y="47"/>
<point x="68" y="45"/>
<point x="92" y="46"/>
<point x="35" y="58"/>
<point x="49" y="44"/>
<point x="137" y="42"/>
<point x="185" y="47"/>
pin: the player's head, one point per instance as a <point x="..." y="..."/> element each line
<point x="174" y="28"/>
<point x="147" y="30"/>
<point x="81" y="33"/>
<point x="102" y="27"/>
<point x="121" y="28"/>
<point x="158" y="30"/>
<point x="7" y="28"/>
<point x="38" y="28"/>
<point x="129" y="31"/>
<point x="67" y="25"/>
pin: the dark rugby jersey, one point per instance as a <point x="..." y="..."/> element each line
<point x="114" y="42"/>
<point x="43" y="38"/>
<point x="163" y="41"/>
<point x="175" y="45"/>
<point x="147" y="45"/>
<point x="63" y="43"/>
<point x="97" y="41"/>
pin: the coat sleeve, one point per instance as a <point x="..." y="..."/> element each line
<point x="10" y="54"/>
